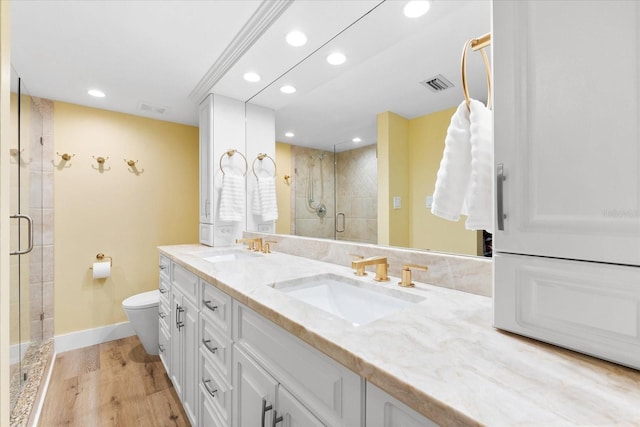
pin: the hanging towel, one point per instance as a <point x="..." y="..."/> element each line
<point x="452" y="181"/>
<point x="267" y="197"/>
<point x="479" y="198"/>
<point x="232" y="198"/>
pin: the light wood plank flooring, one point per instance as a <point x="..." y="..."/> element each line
<point x="111" y="384"/>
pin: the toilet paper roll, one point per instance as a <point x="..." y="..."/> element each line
<point x="101" y="270"/>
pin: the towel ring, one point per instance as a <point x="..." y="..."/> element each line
<point x="261" y="157"/>
<point x="230" y="153"/>
<point x="477" y="44"/>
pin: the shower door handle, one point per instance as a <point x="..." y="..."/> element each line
<point x="30" y="221"/>
<point x="338" y="215"/>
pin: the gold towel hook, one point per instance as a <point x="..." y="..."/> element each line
<point x="230" y="153"/>
<point x="261" y="157"/>
<point x="65" y="156"/>
<point x="477" y="44"/>
<point x="131" y="163"/>
<point x="100" y="159"/>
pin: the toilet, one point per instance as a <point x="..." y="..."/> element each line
<point x="142" y="312"/>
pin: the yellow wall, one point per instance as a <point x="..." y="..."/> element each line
<point x="426" y="139"/>
<point x="5" y="132"/>
<point x="409" y="154"/>
<point x="117" y="212"/>
<point x="283" y="190"/>
<point x="393" y="180"/>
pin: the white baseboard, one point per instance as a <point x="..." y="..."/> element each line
<point x="93" y="336"/>
<point x="17" y="352"/>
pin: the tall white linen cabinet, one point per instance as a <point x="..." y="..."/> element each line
<point x="567" y="155"/>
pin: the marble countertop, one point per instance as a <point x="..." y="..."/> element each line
<point x="441" y="356"/>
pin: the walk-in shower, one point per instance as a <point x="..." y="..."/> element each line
<point x="31" y="247"/>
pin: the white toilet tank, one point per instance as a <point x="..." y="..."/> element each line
<point x="142" y="312"/>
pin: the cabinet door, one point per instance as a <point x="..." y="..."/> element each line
<point x="254" y="390"/>
<point x="567" y="128"/>
<point x="385" y="411"/>
<point x="190" y="359"/>
<point x="293" y="413"/>
<point x="590" y="307"/>
<point x="206" y="160"/>
<point x="175" y="347"/>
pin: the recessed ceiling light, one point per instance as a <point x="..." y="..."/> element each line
<point x="289" y="134"/>
<point x="288" y="89"/>
<point x="336" y="58"/>
<point x="97" y="93"/>
<point x="416" y="8"/>
<point x="251" y="77"/>
<point x="356" y="140"/>
<point x="296" y="38"/>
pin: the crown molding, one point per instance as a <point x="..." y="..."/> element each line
<point x="266" y="14"/>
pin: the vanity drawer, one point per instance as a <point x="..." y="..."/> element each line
<point x="164" y="287"/>
<point x="333" y="392"/>
<point x="165" y="267"/>
<point x="164" y="314"/>
<point x="164" y="350"/>
<point x="186" y="281"/>
<point x="216" y="306"/>
<point x="216" y="347"/>
<point x="213" y="389"/>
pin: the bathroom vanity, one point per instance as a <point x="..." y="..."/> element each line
<point x="262" y="356"/>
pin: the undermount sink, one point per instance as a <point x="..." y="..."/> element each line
<point x="227" y="255"/>
<point x="349" y="299"/>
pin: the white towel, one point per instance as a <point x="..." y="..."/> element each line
<point x="267" y="198"/>
<point x="464" y="182"/>
<point x="452" y="180"/>
<point x="479" y="199"/>
<point x="232" y="198"/>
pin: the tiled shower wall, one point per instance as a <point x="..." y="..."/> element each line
<point x="357" y="195"/>
<point x="306" y="221"/>
<point x="41" y="266"/>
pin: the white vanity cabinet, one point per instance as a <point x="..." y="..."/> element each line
<point x="184" y="333"/>
<point x="260" y="401"/>
<point x="567" y="153"/>
<point x="214" y="348"/>
<point x="386" y="411"/>
<point x="332" y="394"/>
<point x="164" y="312"/>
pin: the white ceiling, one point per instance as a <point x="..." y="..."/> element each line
<point x="160" y="52"/>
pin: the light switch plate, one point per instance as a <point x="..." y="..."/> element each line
<point x="397" y="202"/>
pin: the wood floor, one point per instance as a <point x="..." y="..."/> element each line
<point x="111" y="384"/>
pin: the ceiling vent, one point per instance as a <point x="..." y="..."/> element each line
<point x="144" y="107"/>
<point x="437" y="83"/>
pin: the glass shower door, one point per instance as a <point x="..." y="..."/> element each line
<point x="26" y="215"/>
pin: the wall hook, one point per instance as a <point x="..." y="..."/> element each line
<point x="287" y="179"/>
<point x="133" y="168"/>
<point x="66" y="156"/>
<point x="100" y="159"/>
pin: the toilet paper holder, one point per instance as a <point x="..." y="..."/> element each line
<point x="102" y="256"/>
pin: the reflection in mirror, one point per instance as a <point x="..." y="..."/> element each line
<point x="377" y="191"/>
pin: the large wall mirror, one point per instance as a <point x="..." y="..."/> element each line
<point x="360" y="143"/>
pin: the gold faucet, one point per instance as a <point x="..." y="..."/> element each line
<point x="381" y="267"/>
<point x="253" y="244"/>
<point x="406" y="274"/>
<point x="266" y="248"/>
